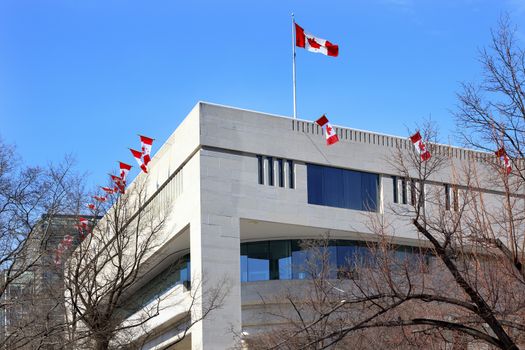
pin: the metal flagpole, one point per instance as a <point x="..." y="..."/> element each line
<point x="293" y="69"/>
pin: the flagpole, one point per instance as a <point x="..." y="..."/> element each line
<point x="293" y="69"/>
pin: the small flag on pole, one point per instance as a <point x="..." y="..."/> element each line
<point x="420" y="146"/>
<point x="502" y="154"/>
<point x="120" y="185"/>
<point x="108" y="190"/>
<point x="145" y="145"/>
<point x="101" y="199"/>
<point x="331" y="136"/>
<point x="124" y="170"/>
<point x="138" y="157"/>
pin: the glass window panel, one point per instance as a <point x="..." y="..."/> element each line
<point x="352" y="195"/>
<point x="280" y="260"/>
<point x="314" y="180"/>
<point x="395" y="193"/>
<point x="270" y="171"/>
<point x="291" y="176"/>
<point x="280" y="166"/>
<point x="244" y="268"/>
<point x="258" y="262"/>
<point x="299" y="266"/>
<point x="260" y="169"/>
<point x="342" y="188"/>
<point x="332" y="187"/>
<point x="369" y="185"/>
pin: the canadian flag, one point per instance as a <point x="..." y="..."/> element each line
<point x="502" y="154"/>
<point x="420" y="146"/>
<point x="138" y="157"/>
<point x="120" y="185"/>
<point x="124" y="170"/>
<point x="145" y="145"/>
<point x="331" y="136"/>
<point x="83" y="223"/>
<point x="108" y="190"/>
<point x="101" y="199"/>
<point x="314" y="44"/>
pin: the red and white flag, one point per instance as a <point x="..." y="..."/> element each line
<point x="101" y="199"/>
<point x="314" y="44"/>
<point x="91" y="206"/>
<point x="108" y="190"/>
<point x="145" y="145"/>
<point x="138" y="157"/>
<point x="124" y="170"/>
<point x="502" y="154"/>
<point x="120" y="185"/>
<point x="83" y="223"/>
<point x="331" y="136"/>
<point x="420" y="146"/>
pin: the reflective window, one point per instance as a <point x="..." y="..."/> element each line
<point x="291" y="259"/>
<point x="342" y="188"/>
<point x="173" y="275"/>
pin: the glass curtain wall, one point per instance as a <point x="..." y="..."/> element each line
<point x="291" y="259"/>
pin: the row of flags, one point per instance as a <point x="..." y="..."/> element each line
<point x="416" y="139"/>
<point x="143" y="157"/>
<point x="315" y="44"/>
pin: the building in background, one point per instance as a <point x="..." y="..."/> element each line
<point x="33" y="312"/>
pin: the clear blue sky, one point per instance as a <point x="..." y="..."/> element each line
<point x="84" y="77"/>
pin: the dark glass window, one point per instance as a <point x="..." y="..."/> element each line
<point x="421" y="199"/>
<point x="447" y="196"/>
<point x="260" y="169"/>
<point x="342" y="188"/>
<point x="175" y="274"/>
<point x="291" y="259"/>
<point x="257" y="262"/>
<point x="455" y="198"/>
<point x="270" y="171"/>
<point x="404" y="190"/>
<point x="280" y="260"/>
<point x="291" y="175"/>
<point x="280" y="166"/>
<point x="268" y="260"/>
<point x="395" y="189"/>
<point x="413" y="192"/>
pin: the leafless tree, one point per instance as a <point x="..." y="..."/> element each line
<point x="105" y="308"/>
<point x="32" y="200"/>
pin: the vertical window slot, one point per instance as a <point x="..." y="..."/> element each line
<point x="280" y="166"/>
<point x="270" y="170"/>
<point x="447" y="197"/>
<point x="291" y="175"/>
<point x="260" y="169"/>
<point x="395" y="192"/>
<point x="404" y="190"/>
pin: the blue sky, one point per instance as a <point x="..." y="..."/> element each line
<point x="85" y="77"/>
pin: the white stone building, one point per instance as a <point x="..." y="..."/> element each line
<point x="245" y="187"/>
